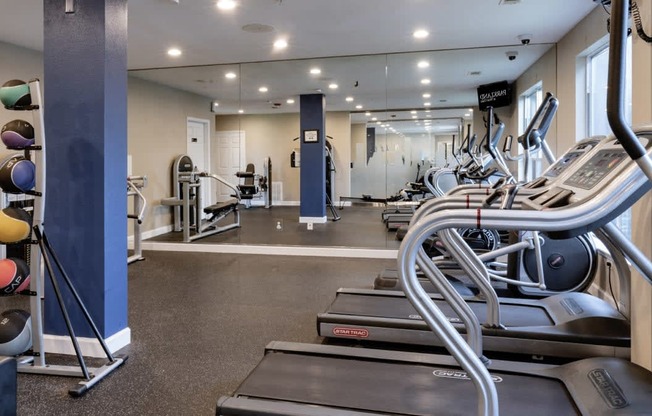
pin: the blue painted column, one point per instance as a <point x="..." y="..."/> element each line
<point x="85" y="94"/>
<point x="313" y="161"/>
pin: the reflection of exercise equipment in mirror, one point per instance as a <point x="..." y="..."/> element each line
<point x="134" y="185"/>
<point x="256" y="185"/>
<point x="188" y="205"/>
<point x="295" y="162"/>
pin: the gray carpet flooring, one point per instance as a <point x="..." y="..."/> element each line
<point x="199" y="324"/>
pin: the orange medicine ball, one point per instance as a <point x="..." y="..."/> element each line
<point x="14" y="276"/>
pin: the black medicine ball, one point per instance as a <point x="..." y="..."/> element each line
<point x="15" y="332"/>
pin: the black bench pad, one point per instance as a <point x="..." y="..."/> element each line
<point x="221" y="206"/>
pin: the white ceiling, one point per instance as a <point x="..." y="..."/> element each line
<point x="465" y="36"/>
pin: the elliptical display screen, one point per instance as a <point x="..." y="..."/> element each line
<point x="596" y="168"/>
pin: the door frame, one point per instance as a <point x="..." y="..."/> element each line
<point x="207" y="153"/>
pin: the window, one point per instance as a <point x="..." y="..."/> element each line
<point x="529" y="102"/>
<point x="597" y="71"/>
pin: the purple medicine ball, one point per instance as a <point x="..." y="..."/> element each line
<point x="17" y="134"/>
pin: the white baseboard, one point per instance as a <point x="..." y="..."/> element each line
<point x="286" y="203"/>
<point x="315" y="220"/>
<point x="90" y="347"/>
<point x="272" y="250"/>
<point x="149" y="234"/>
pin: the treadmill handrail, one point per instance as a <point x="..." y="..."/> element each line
<point x="616" y="92"/>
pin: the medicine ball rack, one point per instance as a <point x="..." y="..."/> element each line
<point x="34" y="361"/>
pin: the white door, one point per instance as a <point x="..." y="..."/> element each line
<point x="198" y="148"/>
<point x="231" y="159"/>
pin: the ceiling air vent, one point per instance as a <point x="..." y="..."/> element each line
<point x="508" y="2"/>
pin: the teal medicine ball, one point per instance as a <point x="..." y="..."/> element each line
<point x="15" y="93"/>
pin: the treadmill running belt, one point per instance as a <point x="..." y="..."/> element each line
<point x="400" y="307"/>
<point x="392" y="388"/>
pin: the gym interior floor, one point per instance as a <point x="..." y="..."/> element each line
<point x="200" y="321"/>
<point x="360" y="226"/>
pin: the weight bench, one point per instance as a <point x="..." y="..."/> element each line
<point x="7" y="386"/>
<point x="221" y="208"/>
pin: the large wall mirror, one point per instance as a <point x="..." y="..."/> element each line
<point x="390" y="117"/>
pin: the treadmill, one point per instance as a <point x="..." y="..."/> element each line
<point x="305" y="379"/>
<point x="566" y="325"/>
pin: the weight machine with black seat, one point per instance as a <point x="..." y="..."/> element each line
<point x="187" y="202"/>
<point x="255" y="184"/>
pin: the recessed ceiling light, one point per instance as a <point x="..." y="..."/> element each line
<point x="425" y="81"/>
<point x="315" y="71"/>
<point x="226" y="4"/>
<point x="413" y="112"/>
<point x="290" y="101"/>
<point x="241" y="111"/>
<point x="420" y="34"/>
<point x="467" y="115"/>
<point x="378" y="122"/>
<point x="423" y="64"/>
<point x="230" y="75"/>
<point x="414" y="116"/>
<point x="427" y="111"/>
<point x="174" y="52"/>
<point x="333" y="86"/>
<point x="349" y="99"/>
<point x="263" y="89"/>
<point x="470" y="110"/>
<point x="367" y="114"/>
<point x="374" y="118"/>
<point x="427" y="104"/>
<point x="216" y="104"/>
<point x="359" y="106"/>
<point x="281" y="44"/>
<point x="426" y="95"/>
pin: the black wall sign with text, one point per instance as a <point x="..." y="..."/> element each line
<point x="497" y="94"/>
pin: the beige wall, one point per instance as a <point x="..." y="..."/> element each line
<point x="157" y="128"/>
<point x="570" y="87"/>
<point x="272" y="135"/>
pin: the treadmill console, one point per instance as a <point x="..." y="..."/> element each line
<point x="604" y="170"/>
<point x="571" y="156"/>
<point x="565" y="162"/>
<point x="596" y="168"/>
<point x="606" y="161"/>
